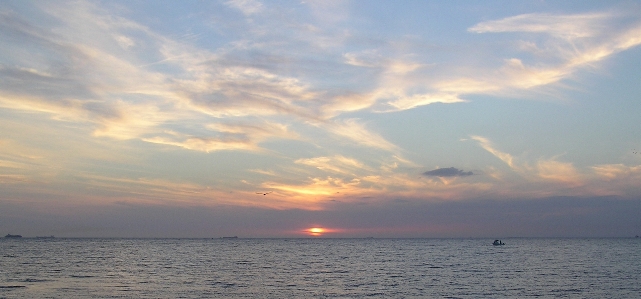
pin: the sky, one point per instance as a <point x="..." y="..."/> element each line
<point x="320" y="119"/>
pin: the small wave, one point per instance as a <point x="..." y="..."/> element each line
<point x="376" y="294"/>
<point x="12" y="287"/>
<point x="81" y="276"/>
<point x="35" y="280"/>
<point x="224" y="284"/>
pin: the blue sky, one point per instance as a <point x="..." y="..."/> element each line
<point x="364" y="118"/>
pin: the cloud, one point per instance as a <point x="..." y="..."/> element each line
<point x="234" y="91"/>
<point x="357" y="132"/>
<point x="548" y="169"/>
<point x="558" y="171"/>
<point x="106" y="82"/>
<point x="564" y="26"/>
<point x="329" y="11"/>
<point x="564" y="44"/>
<point x="561" y="44"/>
<point x="64" y="73"/>
<point x="257" y="130"/>
<point x="614" y="171"/>
<point x="338" y="164"/>
<point x="247" y="7"/>
<point x="615" y="179"/>
<point x="13" y="178"/>
<point x="85" y="79"/>
<point x="410" y="102"/>
<point x="227" y="136"/>
<point x="447" y="172"/>
<point x="543" y="176"/>
<point x="488" y="146"/>
<point x="205" y="144"/>
<point x="264" y="172"/>
<point x="374" y="59"/>
<point x="345" y="103"/>
<point x="574" y="41"/>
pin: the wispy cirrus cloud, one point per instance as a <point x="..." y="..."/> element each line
<point x="551" y="169"/>
<point x="13" y="178"/>
<point x="247" y="7"/>
<point x="563" y="26"/>
<point x="337" y="164"/>
<point x="488" y="146"/>
<point x="574" y="41"/>
<point x="74" y="79"/>
<point x="543" y="169"/>
<point x="410" y="102"/>
<point x="356" y="131"/>
<point x="613" y="171"/>
<point x="618" y="179"/>
<point x="238" y="136"/>
<point x="109" y="88"/>
<point x="553" y="48"/>
<point x="204" y="144"/>
<point x="546" y="176"/>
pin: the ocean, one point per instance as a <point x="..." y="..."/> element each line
<point x="320" y="268"/>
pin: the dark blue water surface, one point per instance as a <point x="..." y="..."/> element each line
<point x="319" y="268"/>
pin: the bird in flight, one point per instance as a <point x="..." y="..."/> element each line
<point x="264" y="193"/>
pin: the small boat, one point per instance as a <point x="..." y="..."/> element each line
<point x="498" y="242"/>
<point x="12" y="236"/>
<point x="234" y="237"/>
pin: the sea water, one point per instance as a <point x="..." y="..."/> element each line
<point x="320" y="268"/>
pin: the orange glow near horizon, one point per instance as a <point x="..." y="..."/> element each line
<point x="316" y="231"/>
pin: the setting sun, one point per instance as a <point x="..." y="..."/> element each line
<point x="316" y="231"/>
